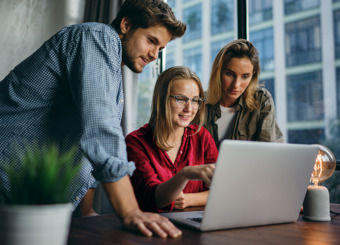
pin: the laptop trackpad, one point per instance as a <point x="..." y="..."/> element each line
<point x="192" y="218"/>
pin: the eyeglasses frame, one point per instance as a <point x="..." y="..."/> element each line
<point x="186" y="103"/>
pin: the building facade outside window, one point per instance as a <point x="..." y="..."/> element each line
<point x="222" y="18"/>
<point x="303" y="42"/>
<point x="338" y="90"/>
<point x="263" y="41"/>
<point x="192" y="58"/>
<point x="193" y="18"/>
<point x="294" y="6"/>
<point x="269" y="84"/>
<point x="216" y="47"/>
<point x="337" y="33"/>
<point x="305" y="97"/>
<point x="260" y="11"/>
<point x="299" y="46"/>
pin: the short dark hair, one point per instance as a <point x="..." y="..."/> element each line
<point x="149" y="13"/>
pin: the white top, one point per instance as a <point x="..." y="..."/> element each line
<point x="227" y="114"/>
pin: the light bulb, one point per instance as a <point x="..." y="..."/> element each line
<point x="316" y="205"/>
<point x="324" y="166"/>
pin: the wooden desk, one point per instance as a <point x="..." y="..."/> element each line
<point x="107" y="229"/>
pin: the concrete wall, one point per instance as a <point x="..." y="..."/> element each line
<point x="26" y="24"/>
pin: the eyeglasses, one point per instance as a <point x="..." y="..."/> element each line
<point x="182" y="101"/>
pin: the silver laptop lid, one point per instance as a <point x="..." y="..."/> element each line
<point x="258" y="183"/>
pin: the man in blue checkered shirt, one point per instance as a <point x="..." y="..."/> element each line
<point x="70" y="92"/>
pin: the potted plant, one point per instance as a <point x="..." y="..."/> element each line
<point x="36" y="205"/>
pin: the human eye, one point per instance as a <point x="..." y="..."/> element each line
<point x="151" y="40"/>
<point x="229" y="74"/>
<point x="181" y="98"/>
<point x="196" y="100"/>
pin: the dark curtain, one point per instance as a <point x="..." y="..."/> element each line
<point x="102" y="11"/>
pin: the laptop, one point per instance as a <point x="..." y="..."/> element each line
<point x="254" y="184"/>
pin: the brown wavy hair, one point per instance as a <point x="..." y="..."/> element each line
<point x="149" y="13"/>
<point x="236" y="49"/>
<point x="160" y="119"/>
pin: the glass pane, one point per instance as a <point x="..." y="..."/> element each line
<point x="263" y="41"/>
<point x="309" y="111"/>
<point x="192" y="57"/>
<point x="337" y="33"/>
<point x="146" y="82"/>
<point x="259" y="11"/>
<point x="216" y="47"/>
<point x="305" y="97"/>
<point x="192" y="16"/>
<point x="221" y="16"/>
<point x="293" y="6"/>
<point x="269" y="84"/>
<point x="303" y="41"/>
<point x="195" y="49"/>
<point x="338" y="90"/>
<point x="305" y="87"/>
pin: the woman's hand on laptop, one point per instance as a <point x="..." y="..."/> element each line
<point x="200" y="172"/>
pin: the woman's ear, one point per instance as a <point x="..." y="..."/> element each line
<point x="125" y="25"/>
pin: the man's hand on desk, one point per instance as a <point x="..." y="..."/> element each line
<point x="147" y="223"/>
<point x="123" y="201"/>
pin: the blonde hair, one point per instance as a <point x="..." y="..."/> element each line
<point x="160" y="119"/>
<point x="236" y="49"/>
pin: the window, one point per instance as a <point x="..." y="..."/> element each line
<point x="172" y="3"/>
<point x="146" y="80"/>
<point x="193" y="17"/>
<point x="305" y="136"/>
<point x="338" y="90"/>
<point x="192" y="58"/>
<point x="303" y="44"/>
<point x="216" y="47"/>
<point x="293" y="6"/>
<point x="304" y="97"/>
<point x="263" y="41"/>
<point x="337" y="33"/>
<point x="260" y="11"/>
<point x="298" y="84"/>
<point x="269" y="85"/>
<point x="170" y="60"/>
<point x="222" y="18"/>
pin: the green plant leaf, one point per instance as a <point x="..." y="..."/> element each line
<point x="44" y="176"/>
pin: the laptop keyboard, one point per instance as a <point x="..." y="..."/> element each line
<point x="196" y="219"/>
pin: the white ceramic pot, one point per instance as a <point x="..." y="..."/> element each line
<point x="35" y="224"/>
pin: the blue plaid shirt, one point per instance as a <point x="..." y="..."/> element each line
<point x="69" y="92"/>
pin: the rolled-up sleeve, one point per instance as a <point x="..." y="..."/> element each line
<point x="96" y="85"/>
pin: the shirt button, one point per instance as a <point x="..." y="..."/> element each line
<point x="121" y="101"/>
<point x="180" y="152"/>
<point x="77" y="198"/>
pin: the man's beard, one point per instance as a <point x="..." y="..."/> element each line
<point x="126" y="58"/>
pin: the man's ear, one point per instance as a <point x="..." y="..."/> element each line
<point x="125" y="25"/>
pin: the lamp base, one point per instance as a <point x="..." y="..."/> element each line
<point x="316" y="205"/>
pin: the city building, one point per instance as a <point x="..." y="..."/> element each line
<point x="299" y="46"/>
